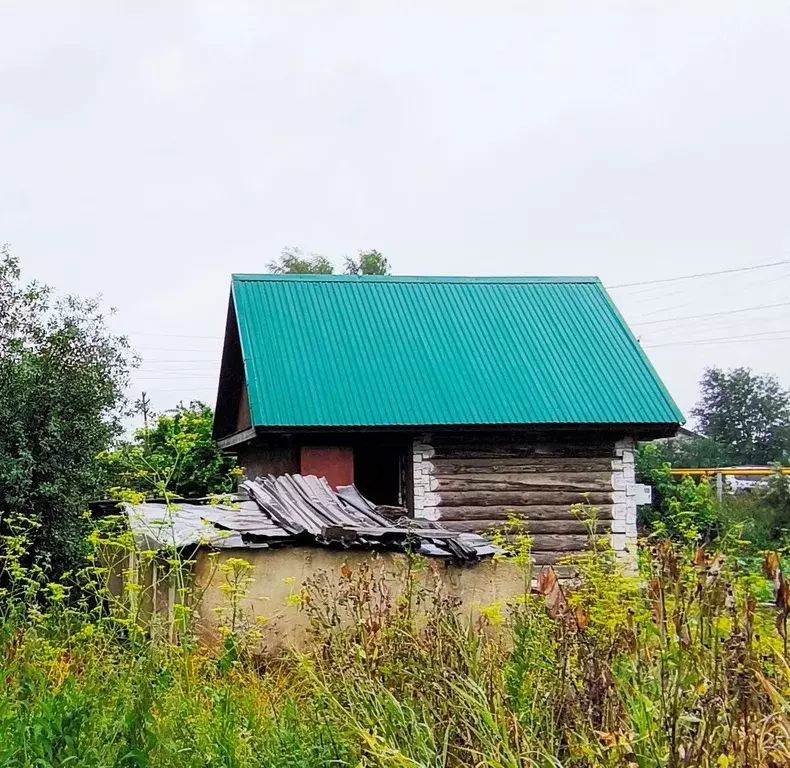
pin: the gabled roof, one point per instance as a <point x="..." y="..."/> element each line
<point x="340" y="351"/>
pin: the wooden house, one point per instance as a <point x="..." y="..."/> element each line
<point x="461" y="399"/>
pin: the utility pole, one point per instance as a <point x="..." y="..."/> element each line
<point x="144" y="404"/>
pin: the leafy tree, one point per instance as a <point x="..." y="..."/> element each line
<point x="367" y="263"/>
<point x="747" y="413"/>
<point x="295" y="261"/>
<point x="175" y="454"/>
<point x="694" y="451"/>
<point x="62" y="381"/>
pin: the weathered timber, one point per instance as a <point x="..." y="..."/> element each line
<point x="391" y="512"/>
<point x="513" y="482"/>
<point x="516" y="451"/>
<point x="454" y="466"/>
<point x="551" y="558"/>
<point x="534" y="512"/>
<point x="533" y="527"/>
<point x="559" y="542"/>
<point x="520" y="498"/>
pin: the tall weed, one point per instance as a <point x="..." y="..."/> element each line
<point x="679" y="665"/>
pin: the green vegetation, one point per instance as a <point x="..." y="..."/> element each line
<point x="747" y="414"/>
<point x="295" y="261"/>
<point x="175" y="452"/>
<point x="743" y="417"/>
<point x="683" y="509"/>
<point x="367" y="263"/>
<point x="680" y="667"/>
<point x="62" y="379"/>
<point x="695" y="451"/>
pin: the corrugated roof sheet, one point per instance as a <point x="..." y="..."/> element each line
<point x="292" y="509"/>
<point x="339" y="351"/>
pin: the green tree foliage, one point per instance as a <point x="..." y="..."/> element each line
<point x="692" y="452"/>
<point x="367" y="263"/>
<point x="294" y="261"/>
<point x="682" y="509"/>
<point x="747" y="413"/>
<point x="175" y="453"/>
<point x="62" y="381"/>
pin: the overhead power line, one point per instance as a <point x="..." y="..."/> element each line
<point x="185" y="390"/>
<point x="700" y="274"/>
<point x="723" y="341"/>
<point x="181" y="371"/>
<point x="169" y="335"/>
<point x="173" y="349"/>
<point x="715" y="314"/>
<point x="174" y="360"/>
<point x="762" y="336"/>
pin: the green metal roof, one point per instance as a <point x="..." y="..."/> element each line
<point x="339" y="351"/>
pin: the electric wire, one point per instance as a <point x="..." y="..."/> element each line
<point x="700" y="274"/>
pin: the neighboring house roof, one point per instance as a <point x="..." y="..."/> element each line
<point x="340" y="351"/>
<point x="683" y="432"/>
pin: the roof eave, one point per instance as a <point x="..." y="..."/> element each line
<point x="642" y="430"/>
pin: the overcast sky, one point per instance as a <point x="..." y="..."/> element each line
<point x="149" y="149"/>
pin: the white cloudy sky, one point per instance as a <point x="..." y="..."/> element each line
<point x="149" y="149"/>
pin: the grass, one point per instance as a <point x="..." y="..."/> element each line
<point x="680" y="666"/>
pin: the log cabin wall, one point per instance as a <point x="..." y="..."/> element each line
<point x="473" y="482"/>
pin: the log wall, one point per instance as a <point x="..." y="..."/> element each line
<point x="474" y="483"/>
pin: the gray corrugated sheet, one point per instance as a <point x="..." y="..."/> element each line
<point x="291" y="509"/>
<point x="157" y="526"/>
<point x="245" y="519"/>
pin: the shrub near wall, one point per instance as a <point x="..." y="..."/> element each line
<point x="682" y="509"/>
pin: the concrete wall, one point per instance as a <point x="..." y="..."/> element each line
<point x="279" y="573"/>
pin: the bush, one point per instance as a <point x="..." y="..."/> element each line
<point x="761" y="516"/>
<point x="682" y="510"/>
<point x="176" y="455"/>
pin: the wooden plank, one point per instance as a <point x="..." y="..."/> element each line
<point x="513" y="450"/>
<point x="536" y="512"/>
<point x="559" y="542"/>
<point x="520" y="437"/>
<point x="514" y="482"/>
<point x="550" y="558"/>
<point x="453" y="466"/>
<point x="532" y="527"/>
<point x="519" y="498"/>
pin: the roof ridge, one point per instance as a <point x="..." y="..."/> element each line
<point x="490" y="279"/>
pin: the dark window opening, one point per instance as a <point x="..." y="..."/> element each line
<point x="379" y="473"/>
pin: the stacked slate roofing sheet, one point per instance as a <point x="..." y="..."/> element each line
<point x="296" y="509"/>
